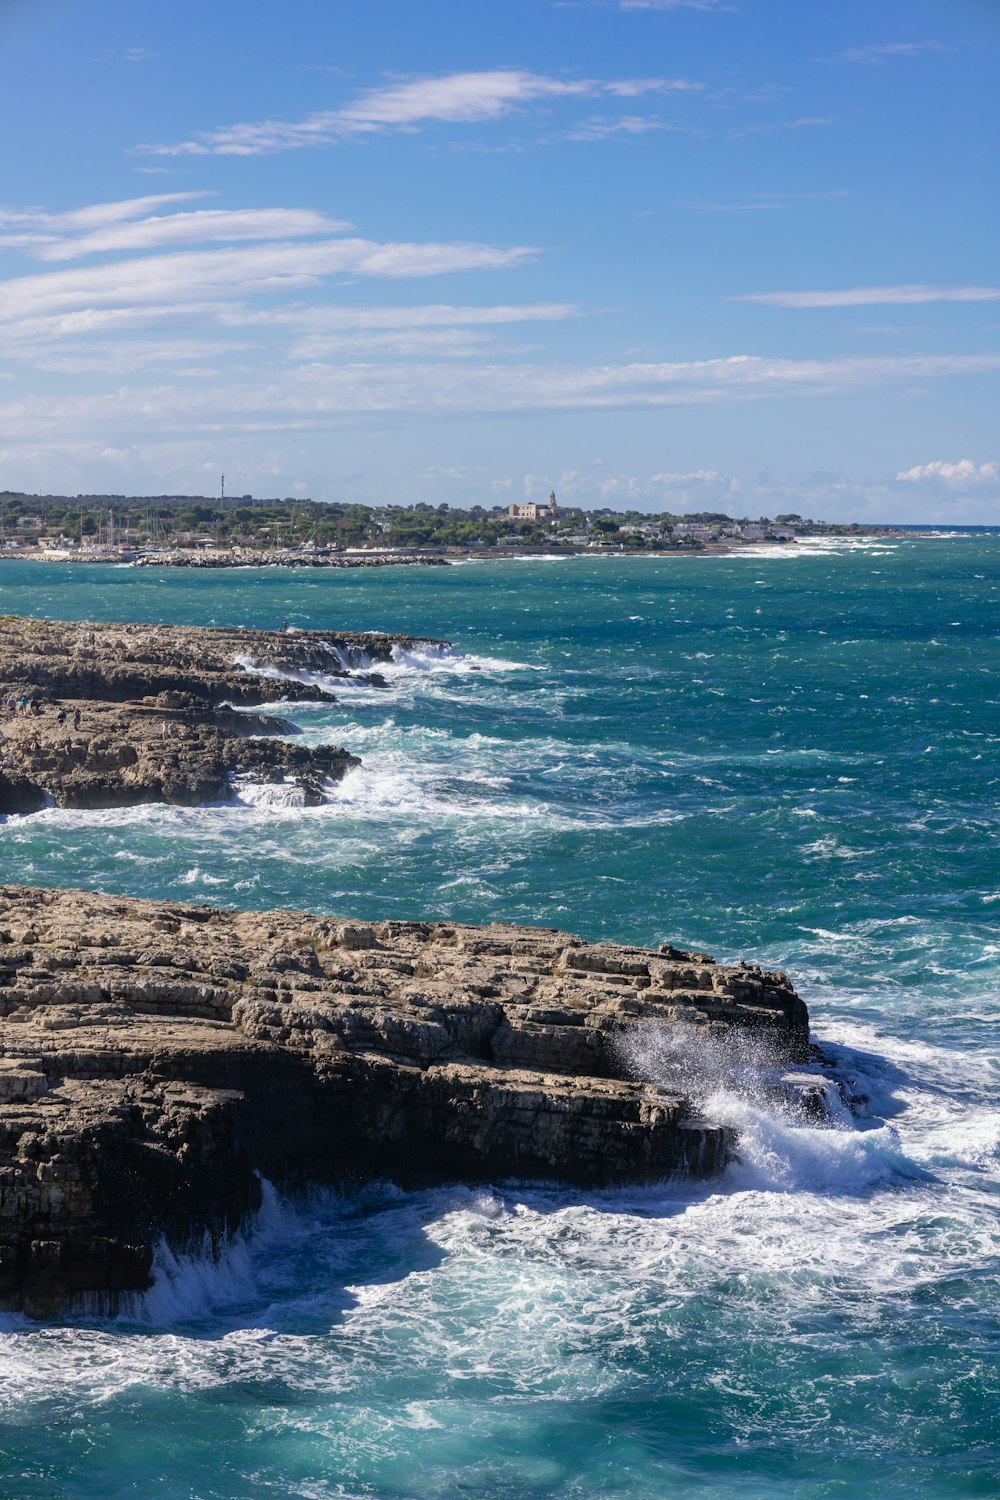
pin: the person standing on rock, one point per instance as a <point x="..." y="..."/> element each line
<point x="76" y="718"/>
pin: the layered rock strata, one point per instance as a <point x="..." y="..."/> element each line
<point x="154" y="1058"/>
<point x="108" y="715"/>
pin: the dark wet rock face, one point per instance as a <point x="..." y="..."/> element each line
<point x="155" y="1057"/>
<point x="116" y="715"/>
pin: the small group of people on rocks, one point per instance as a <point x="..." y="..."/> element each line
<point x="25" y="706"/>
<point x="31" y="708"/>
<point x="29" y="745"/>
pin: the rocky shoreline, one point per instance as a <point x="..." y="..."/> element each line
<point x="157" y="1058"/>
<point x="109" y="715"/>
<point x="238" y="557"/>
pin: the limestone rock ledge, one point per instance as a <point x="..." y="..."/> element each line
<point x="155" y="1057"/>
<point x="109" y="715"/>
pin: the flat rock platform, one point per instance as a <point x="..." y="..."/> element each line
<point x="99" y="715"/>
<point x="156" y="1057"/>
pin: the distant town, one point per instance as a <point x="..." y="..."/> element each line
<point x="243" y="530"/>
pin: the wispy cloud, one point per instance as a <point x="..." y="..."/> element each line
<point x="314" y="331"/>
<point x="194" y="276"/>
<point x="92" y="318"/>
<point x="125" y="358"/>
<point x="127" y="54"/>
<point x="732" y="208"/>
<point x="697" y="489"/>
<point x="877" y="52"/>
<point x="200" y="226"/>
<point x="252" y="334"/>
<point x="432" y="330"/>
<point x="400" y="343"/>
<point x="875" y="296"/>
<point x="600" y="128"/>
<point x="432" y="315"/>
<point x="466" y="98"/>
<point x="631" y="88"/>
<point x="93" y="215"/>
<point x="803" y="122"/>
<point x="717" y="5"/>
<point x="962" y="475"/>
<point x="314" y="395"/>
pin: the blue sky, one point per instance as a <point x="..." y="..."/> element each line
<point x="678" y="254"/>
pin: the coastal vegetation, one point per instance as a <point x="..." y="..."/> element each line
<point x="165" y="522"/>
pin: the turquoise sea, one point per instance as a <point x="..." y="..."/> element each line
<point x="789" y="755"/>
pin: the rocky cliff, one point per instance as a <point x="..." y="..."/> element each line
<point x="108" y="715"/>
<point x="155" y="1057"/>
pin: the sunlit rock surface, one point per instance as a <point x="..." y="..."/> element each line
<point x="109" y="715"/>
<point x="154" y="1058"/>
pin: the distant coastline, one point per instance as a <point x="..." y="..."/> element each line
<point x="190" y="531"/>
<point x="214" y="556"/>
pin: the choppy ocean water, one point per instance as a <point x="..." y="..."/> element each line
<point x="790" y="756"/>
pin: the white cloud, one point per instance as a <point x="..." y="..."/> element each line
<point x="194" y="276"/>
<point x="224" y="341"/>
<point x="696" y="477"/>
<point x="208" y="286"/>
<point x="701" y="489"/>
<point x="434" y="330"/>
<point x="874" y="296"/>
<point x="314" y="395"/>
<point x="465" y="98"/>
<point x="962" y="475"/>
<point x="93" y="216"/>
<point x="631" y="88"/>
<point x="600" y="128"/>
<point x="408" y="343"/>
<point x="128" y="54"/>
<point x="196" y="227"/>
<point x="876" y="52"/>
<point x="21" y="334"/>
<point x="458" y="97"/>
<point x="717" y="5"/>
<point x="434" y="315"/>
<point x="125" y="358"/>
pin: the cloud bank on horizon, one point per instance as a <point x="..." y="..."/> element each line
<point x="479" y="280"/>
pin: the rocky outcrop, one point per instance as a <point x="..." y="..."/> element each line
<point x="252" y="557"/>
<point x="154" y="1058"/>
<point x="108" y="715"/>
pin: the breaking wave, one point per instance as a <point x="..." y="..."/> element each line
<point x="406" y="665"/>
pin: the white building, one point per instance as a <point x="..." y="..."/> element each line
<point x="697" y="531"/>
<point x="531" y="510"/>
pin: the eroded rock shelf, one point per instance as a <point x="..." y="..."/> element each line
<point x="155" y="1057"/>
<point x="109" y="715"/>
